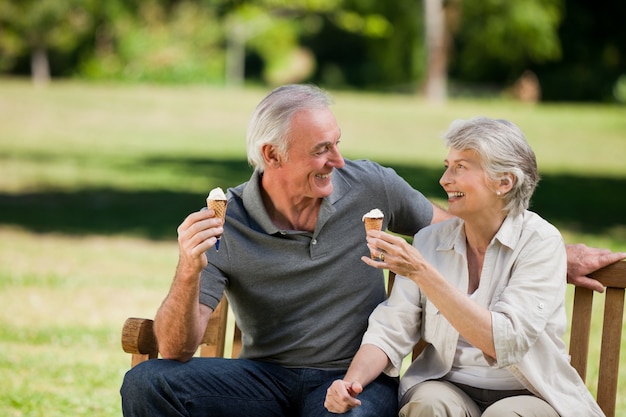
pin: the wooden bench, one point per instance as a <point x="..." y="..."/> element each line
<point x="138" y="337"/>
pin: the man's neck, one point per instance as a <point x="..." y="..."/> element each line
<point x="287" y="211"/>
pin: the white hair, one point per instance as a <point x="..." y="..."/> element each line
<point x="271" y="121"/>
<point x="502" y="149"/>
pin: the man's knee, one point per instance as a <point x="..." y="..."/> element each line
<point x="379" y="398"/>
<point x="134" y="380"/>
<point x="147" y="377"/>
<point x="137" y="390"/>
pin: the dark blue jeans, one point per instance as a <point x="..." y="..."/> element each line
<point x="239" y="387"/>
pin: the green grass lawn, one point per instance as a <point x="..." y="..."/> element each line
<point x="94" y="180"/>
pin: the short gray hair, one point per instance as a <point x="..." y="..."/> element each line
<point x="502" y="149"/>
<point x="271" y="121"/>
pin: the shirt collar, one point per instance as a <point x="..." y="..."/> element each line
<point x="253" y="203"/>
<point x="508" y="235"/>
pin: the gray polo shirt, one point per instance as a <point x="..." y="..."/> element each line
<point x="303" y="299"/>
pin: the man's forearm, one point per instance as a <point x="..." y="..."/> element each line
<point x="178" y="324"/>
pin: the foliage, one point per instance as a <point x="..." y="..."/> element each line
<point x="155" y="43"/>
<point x="619" y="91"/>
<point x="273" y="35"/>
<point x="281" y="33"/>
<point x="594" y="51"/>
<point x="575" y="47"/>
<point x="498" y="39"/>
<point x="26" y="25"/>
<point x="384" y="49"/>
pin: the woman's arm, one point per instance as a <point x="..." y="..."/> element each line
<point x="467" y="317"/>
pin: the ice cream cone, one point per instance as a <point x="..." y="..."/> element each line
<point x="217" y="202"/>
<point x="373" y="223"/>
<point x="219" y="206"/>
<point x="373" y="220"/>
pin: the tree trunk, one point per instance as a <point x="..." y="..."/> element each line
<point x="235" y="54"/>
<point x="39" y="65"/>
<point x="436" y="88"/>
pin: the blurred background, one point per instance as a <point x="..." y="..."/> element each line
<point x="552" y="50"/>
<point x="117" y="118"/>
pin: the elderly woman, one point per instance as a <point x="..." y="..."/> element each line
<point x="486" y="290"/>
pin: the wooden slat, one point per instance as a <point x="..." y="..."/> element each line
<point x="391" y="278"/>
<point x="214" y="339"/>
<point x="613" y="275"/>
<point x="236" y="342"/>
<point x="136" y="359"/>
<point x="609" y="355"/>
<point x="580" y="328"/>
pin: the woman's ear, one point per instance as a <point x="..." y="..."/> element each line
<point x="271" y="156"/>
<point x="506" y="183"/>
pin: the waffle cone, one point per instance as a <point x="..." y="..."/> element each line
<point x="219" y="206"/>
<point x="373" y="223"/>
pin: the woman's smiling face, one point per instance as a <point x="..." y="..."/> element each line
<point x="466" y="183"/>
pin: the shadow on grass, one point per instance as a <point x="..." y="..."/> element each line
<point x="585" y="204"/>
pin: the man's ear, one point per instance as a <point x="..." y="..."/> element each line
<point x="271" y="156"/>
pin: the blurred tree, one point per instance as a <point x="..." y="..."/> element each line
<point x="337" y="43"/>
<point x="158" y="41"/>
<point x="482" y="40"/>
<point x="38" y="26"/>
<point x="370" y="44"/>
<point x="498" y="40"/>
<point x="438" y="37"/>
<point x="271" y="29"/>
<point x="593" y="35"/>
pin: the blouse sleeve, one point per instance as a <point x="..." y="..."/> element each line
<point x="395" y="325"/>
<point x="533" y="300"/>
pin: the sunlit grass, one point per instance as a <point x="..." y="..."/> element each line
<point x="63" y="301"/>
